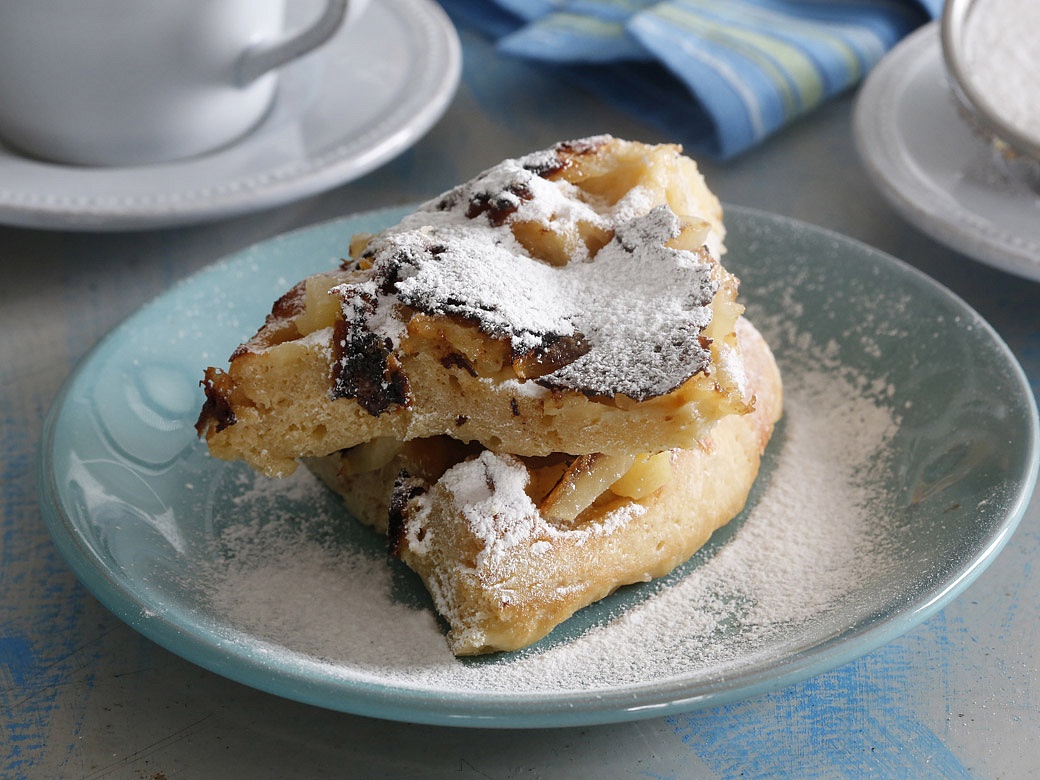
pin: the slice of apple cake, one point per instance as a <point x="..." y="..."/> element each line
<point x="561" y="322"/>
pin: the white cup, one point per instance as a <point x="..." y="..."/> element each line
<point x="131" y="82"/>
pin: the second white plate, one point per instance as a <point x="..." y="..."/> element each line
<point x="934" y="169"/>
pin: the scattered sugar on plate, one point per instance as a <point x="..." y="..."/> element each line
<point x="810" y="543"/>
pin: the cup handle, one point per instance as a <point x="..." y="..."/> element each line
<point x="263" y="57"/>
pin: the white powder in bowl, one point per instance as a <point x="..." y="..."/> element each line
<point x="1002" y="55"/>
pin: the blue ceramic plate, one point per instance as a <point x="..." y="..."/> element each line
<point x="905" y="458"/>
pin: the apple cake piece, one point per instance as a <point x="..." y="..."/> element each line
<point x="539" y="385"/>
<point x="571" y="300"/>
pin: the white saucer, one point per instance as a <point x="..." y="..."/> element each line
<point x="359" y="101"/>
<point x="933" y="169"/>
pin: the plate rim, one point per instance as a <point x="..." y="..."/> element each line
<point x="577" y="707"/>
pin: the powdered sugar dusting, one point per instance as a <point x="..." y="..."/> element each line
<point x="489" y="491"/>
<point x="637" y="306"/>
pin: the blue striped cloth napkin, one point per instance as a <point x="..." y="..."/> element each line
<point x="718" y="75"/>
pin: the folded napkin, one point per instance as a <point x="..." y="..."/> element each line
<point x="718" y="75"/>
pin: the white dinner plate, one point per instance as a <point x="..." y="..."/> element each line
<point x="934" y="169"/>
<point x="354" y="104"/>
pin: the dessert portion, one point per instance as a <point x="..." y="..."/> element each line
<point x="558" y="302"/>
<point x="539" y="385"/>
